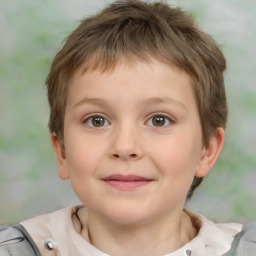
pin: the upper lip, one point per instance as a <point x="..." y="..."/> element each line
<point x="121" y="177"/>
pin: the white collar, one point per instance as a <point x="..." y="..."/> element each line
<point x="58" y="228"/>
<point x="212" y="239"/>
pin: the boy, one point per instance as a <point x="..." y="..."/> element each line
<point x="138" y="112"/>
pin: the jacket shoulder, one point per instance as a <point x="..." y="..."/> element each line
<point x="244" y="242"/>
<point x="15" y="241"/>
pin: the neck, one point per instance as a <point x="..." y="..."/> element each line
<point x="162" y="236"/>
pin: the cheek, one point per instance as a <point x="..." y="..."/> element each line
<point x="177" y="156"/>
<point x="82" y="164"/>
<point x="82" y="158"/>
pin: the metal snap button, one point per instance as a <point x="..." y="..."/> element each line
<point x="49" y="245"/>
<point x="188" y="252"/>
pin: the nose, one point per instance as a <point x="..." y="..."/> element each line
<point x="126" y="144"/>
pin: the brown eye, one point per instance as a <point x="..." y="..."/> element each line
<point x="96" y="121"/>
<point x="158" y="120"/>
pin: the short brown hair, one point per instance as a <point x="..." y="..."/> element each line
<point x="133" y="29"/>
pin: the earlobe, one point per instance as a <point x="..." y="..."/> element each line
<point x="60" y="156"/>
<point x="211" y="153"/>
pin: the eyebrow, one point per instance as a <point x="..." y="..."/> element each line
<point x="157" y="100"/>
<point x="92" y="101"/>
<point x="149" y="101"/>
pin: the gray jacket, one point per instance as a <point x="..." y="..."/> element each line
<point x="15" y="241"/>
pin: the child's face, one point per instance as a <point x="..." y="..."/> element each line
<point x="133" y="141"/>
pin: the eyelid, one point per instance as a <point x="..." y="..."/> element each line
<point x="162" y="114"/>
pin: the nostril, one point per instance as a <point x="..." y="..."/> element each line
<point x="116" y="155"/>
<point x="133" y="155"/>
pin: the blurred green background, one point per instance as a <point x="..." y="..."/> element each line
<point x="31" y="34"/>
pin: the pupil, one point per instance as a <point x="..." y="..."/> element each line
<point x="158" y="120"/>
<point x="98" y="121"/>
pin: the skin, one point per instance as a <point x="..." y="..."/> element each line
<point x="148" y="219"/>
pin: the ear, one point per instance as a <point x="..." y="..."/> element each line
<point x="211" y="153"/>
<point x="61" y="157"/>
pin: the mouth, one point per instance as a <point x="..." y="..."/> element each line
<point x="126" y="182"/>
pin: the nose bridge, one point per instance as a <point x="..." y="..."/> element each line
<point x="126" y="141"/>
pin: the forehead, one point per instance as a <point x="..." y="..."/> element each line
<point x="124" y="65"/>
<point x="137" y="79"/>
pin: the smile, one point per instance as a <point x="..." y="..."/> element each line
<point x="126" y="182"/>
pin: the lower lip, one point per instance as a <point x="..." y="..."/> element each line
<point x="127" y="185"/>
